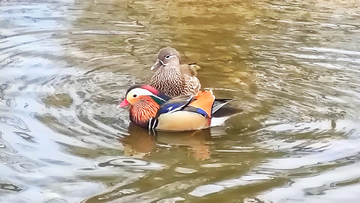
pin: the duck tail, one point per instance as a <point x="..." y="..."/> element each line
<point x="219" y="103"/>
<point x="220" y="110"/>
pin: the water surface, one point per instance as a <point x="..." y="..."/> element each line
<point x="293" y="66"/>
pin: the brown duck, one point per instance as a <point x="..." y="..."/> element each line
<point x="171" y="77"/>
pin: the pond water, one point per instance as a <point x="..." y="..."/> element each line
<point x="293" y="66"/>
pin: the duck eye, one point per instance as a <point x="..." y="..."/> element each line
<point x="135" y="95"/>
<point x="167" y="56"/>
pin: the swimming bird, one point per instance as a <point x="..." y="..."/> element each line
<point x="173" y="78"/>
<point x="151" y="109"/>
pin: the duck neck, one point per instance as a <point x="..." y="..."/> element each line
<point x="168" y="80"/>
<point x="168" y="70"/>
<point x="141" y="113"/>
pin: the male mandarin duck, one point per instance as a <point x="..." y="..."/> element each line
<point x="173" y="78"/>
<point x="151" y="109"/>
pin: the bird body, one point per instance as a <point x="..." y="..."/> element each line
<point x="151" y="109"/>
<point x="173" y="78"/>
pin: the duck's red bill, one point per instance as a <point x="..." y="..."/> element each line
<point x="123" y="103"/>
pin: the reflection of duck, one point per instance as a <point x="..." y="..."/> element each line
<point x="173" y="78"/>
<point x="140" y="142"/>
<point x="196" y="140"/>
<point x="154" y="110"/>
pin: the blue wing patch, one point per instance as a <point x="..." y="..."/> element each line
<point x="202" y="112"/>
<point x="175" y="104"/>
<point x="196" y="110"/>
<point x="170" y="107"/>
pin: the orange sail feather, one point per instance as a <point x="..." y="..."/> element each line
<point x="204" y="100"/>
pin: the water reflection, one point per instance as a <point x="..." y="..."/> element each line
<point x="140" y="142"/>
<point x="292" y="66"/>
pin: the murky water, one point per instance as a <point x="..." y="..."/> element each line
<point x="293" y="66"/>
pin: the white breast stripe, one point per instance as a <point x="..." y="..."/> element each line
<point x="149" y="125"/>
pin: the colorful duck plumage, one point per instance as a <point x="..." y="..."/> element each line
<point x="149" y="108"/>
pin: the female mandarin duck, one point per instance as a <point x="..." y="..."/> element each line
<point x="173" y="78"/>
<point x="153" y="110"/>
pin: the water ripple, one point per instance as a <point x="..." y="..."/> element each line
<point x="292" y="66"/>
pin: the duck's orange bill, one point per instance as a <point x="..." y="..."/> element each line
<point x="123" y="103"/>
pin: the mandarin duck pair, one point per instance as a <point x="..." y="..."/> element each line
<point x="173" y="100"/>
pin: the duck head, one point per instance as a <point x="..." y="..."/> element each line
<point x="144" y="102"/>
<point x="167" y="56"/>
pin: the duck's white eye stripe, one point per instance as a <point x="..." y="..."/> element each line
<point x="138" y="92"/>
<point x="172" y="56"/>
<point x="162" y="62"/>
